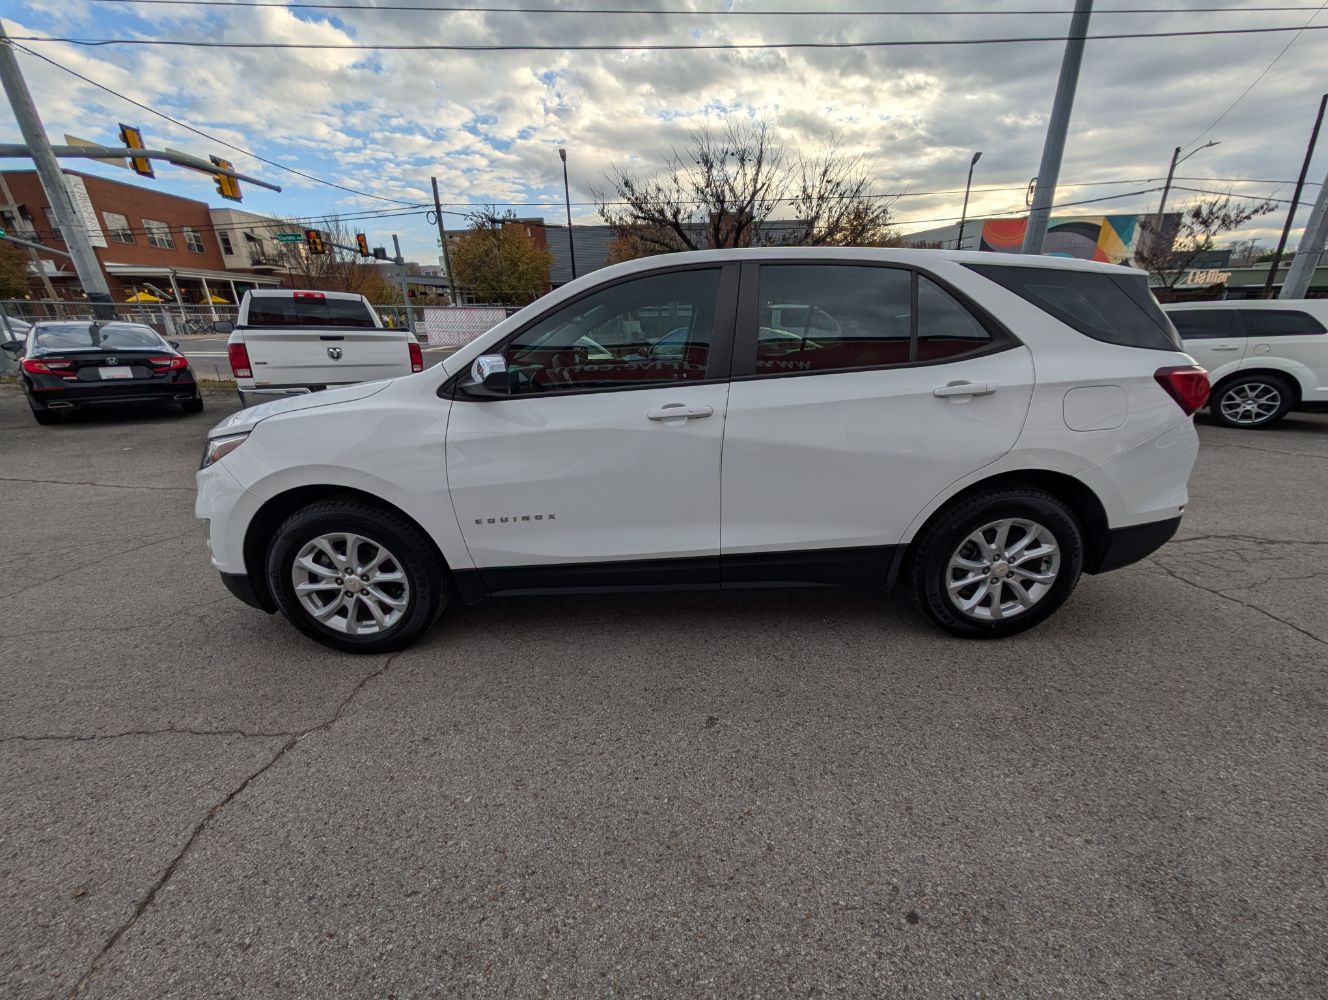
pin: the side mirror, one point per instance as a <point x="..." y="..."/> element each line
<point x="173" y="343"/>
<point x="223" y="326"/>
<point x="13" y="346"/>
<point x="489" y="378"/>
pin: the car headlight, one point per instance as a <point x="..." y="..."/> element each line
<point x="218" y="448"/>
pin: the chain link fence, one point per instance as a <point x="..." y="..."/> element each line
<point x="167" y="318"/>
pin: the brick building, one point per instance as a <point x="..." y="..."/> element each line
<point x="145" y="240"/>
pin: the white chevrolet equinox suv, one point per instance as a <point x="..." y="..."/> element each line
<point x="978" y="429"/>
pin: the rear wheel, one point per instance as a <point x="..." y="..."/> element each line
<point x="1251" y="401"/>
<point x="355" y="577"/>
<point x="997" y="563"/>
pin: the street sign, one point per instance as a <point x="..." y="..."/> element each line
<point x="290" y="237"/>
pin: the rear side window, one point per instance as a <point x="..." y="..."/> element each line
<point x="945" y="328"/>
<point x="282" y="311"/>
<point x="1112" y="308"/>
<point x="1205" y="324"/>
<point x="1282" y="323"/>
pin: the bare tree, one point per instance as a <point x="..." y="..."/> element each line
<point x="1168" y="253"/>
<point x="724" y="191"/>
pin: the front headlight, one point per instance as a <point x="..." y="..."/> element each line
<point x="218" y="448"/>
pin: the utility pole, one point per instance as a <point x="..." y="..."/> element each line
<point x="401" y="273"/>
<point x="442" y="238"/>
<point x="1054" y="147"/>
<point x="52" y="179"/>
<point x="1176" y="159"/>
<point x="1295" y="203"/>
<point x="1301" y="273"/>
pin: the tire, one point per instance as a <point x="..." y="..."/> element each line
<point x="45" y="417"/>
<point x="420" y="584"/>
<point x="194" y="405"/>
<point x="948" y="537"/>
<point x="1251" y="402"/>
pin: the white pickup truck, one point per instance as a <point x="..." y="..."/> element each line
<point x="287" y="343"/>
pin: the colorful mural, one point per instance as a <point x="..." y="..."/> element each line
<point x="1108" y="238"/>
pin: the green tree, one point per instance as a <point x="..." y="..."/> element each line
<point x="497" y="260"/>
<point x="13" y="271"/>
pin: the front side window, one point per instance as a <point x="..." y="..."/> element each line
<point x="1282" y="323"/>
<point x="1205" y="324"/>
<point x="159" y="234"/>
<point x="945" y="328"/>
<point x="654" y="330"/>
<point x="117" y="227"/>
<point x="193" y="239"/>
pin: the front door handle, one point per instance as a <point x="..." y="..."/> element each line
<point x="966" y="389"/>
<point x="1225" y="347"/>
<point x="680" y="412"/>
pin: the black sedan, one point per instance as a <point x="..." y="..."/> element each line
<point x="77" y="365"/>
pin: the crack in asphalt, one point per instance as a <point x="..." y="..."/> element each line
<point x="90" y="737"/>
<point x="1235" y="600"/>
<point x="1257" y="539"/>
<point x="1270" y="451"/>
<point x="103" y="558"/>
<point x="89" y="482"/>
<point x="144" y="903"/>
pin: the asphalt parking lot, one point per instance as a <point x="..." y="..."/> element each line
<point x="767" y="793"/>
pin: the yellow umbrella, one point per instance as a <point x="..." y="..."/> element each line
<point x="142" y="297"/>
<point x="219" y="300"/>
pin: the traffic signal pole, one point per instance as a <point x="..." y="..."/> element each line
<point x="75" y="233"/>
<point x="1054" y="147"/>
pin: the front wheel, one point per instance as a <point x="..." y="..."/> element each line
<point x="356" y="577"/>
<point x="1251" y="401"/>
<point x="997" y="563"/>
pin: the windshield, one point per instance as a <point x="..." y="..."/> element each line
<point x="90" y="336"/>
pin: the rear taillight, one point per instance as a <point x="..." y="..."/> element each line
<point x="168" y="364"/>
<point x="1186" y="384"/>
<point x="48" y="366"/>
<point x="239" y="357"/>
<point x="416" y="357"/>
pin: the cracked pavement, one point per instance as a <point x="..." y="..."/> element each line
<point x="755" y="794"/>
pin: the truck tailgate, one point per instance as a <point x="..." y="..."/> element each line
<point x="326" y="357"/>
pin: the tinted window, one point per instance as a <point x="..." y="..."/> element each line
<point x="831" y="317"/>
<point x="278" y="310"/>
<point x="81" y="336"/>
<point x="1113" y="308"/>
<point x="1205" y="324"/>
<point x="648" y="331"/>
<point x="1281" y="323"/>
<point x="945" y="328"/>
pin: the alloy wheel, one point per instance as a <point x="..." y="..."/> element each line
<point x="1250" y="403"/>
<point x="1002" y="569"/>
<point x="350" y="583"/>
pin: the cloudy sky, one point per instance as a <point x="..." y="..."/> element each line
<point x="488" y="124"/>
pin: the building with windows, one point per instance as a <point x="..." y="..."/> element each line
<point x="147" y="242"/>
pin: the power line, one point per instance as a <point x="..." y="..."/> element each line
<point x="1255" y="82"/>
<point x="206" y="135"/>
<point x="863" y="12"/>
<point x="655" y="47"/>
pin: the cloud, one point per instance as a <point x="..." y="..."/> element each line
<point x="488" y="125"/>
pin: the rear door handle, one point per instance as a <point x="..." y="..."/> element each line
<point x="680" y="411"/>
<point x="966" y="389"/>
<point x="1225" y="348"/>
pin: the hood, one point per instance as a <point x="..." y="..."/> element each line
<point x="245" y="420"/>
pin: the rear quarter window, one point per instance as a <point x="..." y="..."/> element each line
<point x="1113" y="308"/>
<point x="275" y="311"/>
<point x="1282" y="323"/>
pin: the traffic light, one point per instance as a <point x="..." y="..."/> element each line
<point x="227" y="187"/>
<point x="133" y="139"/>
<point x="362" y="242"/>
<point x="313" y="240"/>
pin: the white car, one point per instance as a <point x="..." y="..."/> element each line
<point x="1266" y="357"/>
<point x="981" y="430"/>
<point x="288" y="343"/>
